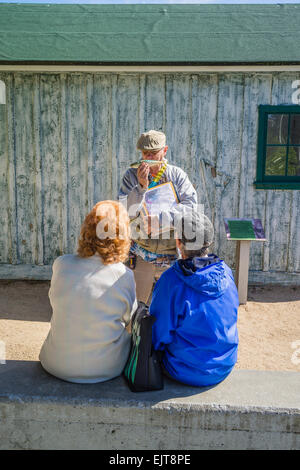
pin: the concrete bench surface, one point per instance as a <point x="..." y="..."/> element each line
<point x="248" y="410"/>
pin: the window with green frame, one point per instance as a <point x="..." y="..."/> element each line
<point x="278" y="150"/>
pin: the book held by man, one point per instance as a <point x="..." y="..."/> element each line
<point x="160" y="198"/>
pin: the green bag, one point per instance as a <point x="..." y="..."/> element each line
<point x="143" y="369"/>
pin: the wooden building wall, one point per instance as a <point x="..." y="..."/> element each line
<point x="67" y="138"/>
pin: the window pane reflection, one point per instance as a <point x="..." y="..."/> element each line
<point x="294" y="161"/>
<point x="275" y="161"/>
<point x="295" y="129"/>
<point x="277" y="128"/>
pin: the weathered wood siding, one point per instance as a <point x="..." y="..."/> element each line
<point x="66" y="140"/>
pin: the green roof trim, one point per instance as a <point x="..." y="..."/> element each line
<point x="149" y="34"/>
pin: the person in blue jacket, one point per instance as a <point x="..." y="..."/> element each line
<point x="195" y="303"/>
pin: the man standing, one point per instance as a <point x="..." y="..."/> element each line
<point x="153" y="255"/>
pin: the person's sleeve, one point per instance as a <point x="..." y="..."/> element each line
<point x="163" y="309"/>
<point x="130" y="298"/>
<point x="54" y="277"/>
<point x="133" y="191"/>
<point x="187" y="196"/>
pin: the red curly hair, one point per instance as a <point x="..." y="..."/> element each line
<point x="105" y="231"/>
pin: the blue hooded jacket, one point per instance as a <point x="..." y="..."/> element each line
<point x="195" y="303"/>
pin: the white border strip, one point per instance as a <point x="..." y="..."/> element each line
<point x="149" y="68"/>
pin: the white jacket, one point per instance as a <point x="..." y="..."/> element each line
<point x="92" y="303"/>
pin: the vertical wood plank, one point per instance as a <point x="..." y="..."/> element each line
<point x="64" y="165"/>
<point x="77" y="157"/>
<point x="178" y="120"/>
<point x="90" y="161"/>
<point x="11" y="168"/>
<point x="25" y="167"/>
<point x="51" y="148"/>
<point x="279" y="203"/>
<point x="141" y="106"/>
<point x="252" y="202"/>
<point x="113" y="175"/>
<point x="203" y="139"/>
<point x="154" y="104"/>
<point x="100" y="123"/>
<point x="127" y="125"/>
<point x="293" y="257"/>
<point x="293" y="264"/>
<point x="4" y="176"/>
<point x="151" y="104"/>
<point x="229" y="132"/>
<point x="38" y="189"/>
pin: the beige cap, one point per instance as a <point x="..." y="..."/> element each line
<point x="151" y="140"/>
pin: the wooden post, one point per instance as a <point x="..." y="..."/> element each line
<point x="243" y="231"/>
<point x="242" y="269"/>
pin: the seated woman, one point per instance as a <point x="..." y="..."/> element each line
<point x="196" y="323"/>
<point x="92" y="295"/>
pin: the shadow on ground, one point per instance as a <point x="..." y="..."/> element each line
<point x="28" y="300"/>
<point x="30" y="380"/>
<point x="25" y="300"/>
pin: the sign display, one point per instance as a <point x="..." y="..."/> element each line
<point x="244" y="229"/>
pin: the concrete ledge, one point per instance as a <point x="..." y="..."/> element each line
<point x="249" y="410"/>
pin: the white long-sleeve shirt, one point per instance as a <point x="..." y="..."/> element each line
<point x="92" y="303"/>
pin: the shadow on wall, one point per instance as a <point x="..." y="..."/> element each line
<point x="273" y="293"/>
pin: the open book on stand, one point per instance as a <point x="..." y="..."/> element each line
<point x="160" y="198"/>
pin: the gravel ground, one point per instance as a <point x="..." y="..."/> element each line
<point x="269" y="324"/>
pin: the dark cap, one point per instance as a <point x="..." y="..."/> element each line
<point x="195" y="230"/>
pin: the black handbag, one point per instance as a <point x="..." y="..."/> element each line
<point x="143" y="370"/>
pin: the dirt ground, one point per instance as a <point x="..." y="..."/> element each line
<point x="269" y="324"/>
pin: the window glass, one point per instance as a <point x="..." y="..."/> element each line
<point x="278" y="147"/>
<point x="294" y="161"/>
<point x="277" y="128"/>
<point x="295" y="129"/>
<point x="275" y="161"/>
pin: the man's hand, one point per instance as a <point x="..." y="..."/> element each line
<point x="151" y="223"/>
<point x="142" y="175"/>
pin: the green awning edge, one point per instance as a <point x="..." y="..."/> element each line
<point x="149" y="34"/>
